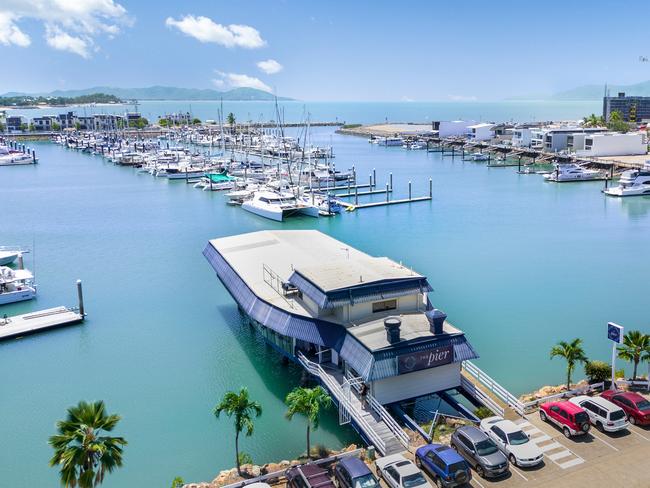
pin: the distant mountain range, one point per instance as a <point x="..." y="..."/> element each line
<point x="596" y="92"/>
<point x="160" y="93"/>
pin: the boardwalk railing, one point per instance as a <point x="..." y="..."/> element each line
<point x="635" y="383"/>
<point x="335" y="389"/>
<point x="529" y="406"/>
<point x="495" y="388"/>
<point x="481" y="396"/>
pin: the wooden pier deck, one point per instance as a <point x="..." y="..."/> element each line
<point x="30" y="323"/>
<point x="350" y="207"/>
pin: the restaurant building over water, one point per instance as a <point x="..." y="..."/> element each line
<point x="350" y="318"/>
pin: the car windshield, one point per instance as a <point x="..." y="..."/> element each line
<point x="412" y="480"/>
<point x="367" y="481"/>
<point x="582" y="417"/>
<point x="485" y="448"/>
<point x="617" y="415"/>
<point x="643" y="405"/>
<point x="517" y="438"/>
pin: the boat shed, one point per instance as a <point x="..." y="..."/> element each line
<point x="361" y="317"/>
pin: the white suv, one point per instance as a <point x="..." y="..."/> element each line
<point x="603" y="414"/>
<point x="512" y="441"/>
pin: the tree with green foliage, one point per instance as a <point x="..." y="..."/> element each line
<point x="308" y="402"/>
<point x="616" y="122"/>
<point x="244" y="410"/>
<point x="196" y="121"/>
<point x="56" y="126"/>
<point x="178" y="482"/>
<point x="139" y="123"/>
<point x="24" y="127"/>
<point x="573" y="353"/>
<point x="230" y="119"/>
<point x="635" y="349"/>
<point x="593" y="120"/>
<point x="82" y="450"/>
<point x="163" y="122"/>
<point x="598" y="371"/>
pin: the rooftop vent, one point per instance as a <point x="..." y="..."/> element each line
<point x="392" y="325"/>
<point x="436" y="320"/>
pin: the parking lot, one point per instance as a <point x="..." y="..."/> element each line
<point x="595" y="460"/>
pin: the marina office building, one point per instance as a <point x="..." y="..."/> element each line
<point x="347" y="317"/>
<point x="631" y="108"/>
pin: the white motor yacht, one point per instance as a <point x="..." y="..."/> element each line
<point x="479" y="157"/>
<point x="16" y="285"/>
<point x="633" y="182"/>
<point x="277" y="205"/>
<point x="10" y="157"/>
<point x="573" y="172"/>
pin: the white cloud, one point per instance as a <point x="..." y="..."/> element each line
<point x="10" y="33"/>
<point x="70" y="25"/>
<point x="236" y="80"/>
<point x="63" y="41"/>
<point x="206" y="30"/>
<point x="270" y="66"/>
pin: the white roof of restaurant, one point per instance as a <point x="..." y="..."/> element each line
<point x="328" y="263"/>
<point x="480" y="126"/>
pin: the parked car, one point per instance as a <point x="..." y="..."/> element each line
<point x="445" y="465"/>
<point x="399" y="472"/>
<point x="352" y="472"/>
<point x="572" y="419"/>
<point x="512" y="441"/>
<point x="636" y="407"/>
<point x="603" y="414"/>
<point x="308" y="476"/>
<point x="480" y="452"/>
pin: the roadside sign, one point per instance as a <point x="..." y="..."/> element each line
<point x="615" y="332"/>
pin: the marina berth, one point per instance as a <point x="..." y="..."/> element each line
<point x="349" y="318"/>
<point x="633" y="182"/>
<point x="573" y="172"/>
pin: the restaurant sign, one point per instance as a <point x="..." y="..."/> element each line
<point x="415" y="361"/>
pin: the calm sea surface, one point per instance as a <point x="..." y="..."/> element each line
<point x="517" y="263"/>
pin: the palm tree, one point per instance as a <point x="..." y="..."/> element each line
<point x="231" y="121"/>
<point x="308" y="402"/>
<point x="635" y="348"/>
<point x="81" y="448"/>
<point x="573" y="353"/>
<point x="240" y="406"/>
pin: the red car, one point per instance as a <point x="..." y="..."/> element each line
<point x="636" y="407"/>
<point x="568" y="416"/>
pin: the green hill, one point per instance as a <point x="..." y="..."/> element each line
<point x="161" y="93"/>
<point x="596" y="92"/>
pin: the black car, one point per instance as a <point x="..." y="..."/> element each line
<point x="480" y="452"/>
<point x="352" y="472"/>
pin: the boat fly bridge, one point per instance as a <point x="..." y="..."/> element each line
<point x="358" y="323"/>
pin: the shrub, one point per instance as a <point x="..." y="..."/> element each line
<point x="483" y="412"/>
<point x="245" y="458"/>
<point x="598" y="371"/>
<point x="178" y="482"/>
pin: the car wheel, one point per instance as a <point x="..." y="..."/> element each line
<point x="566" y="432"/>
<point x="513" y="459"/>
<point x="599" y="426"/>
<point x="439" y="483"/>
<point x="418" y="463"/>
<point x="480" y="471"/>
<point x="454" y="447"/>
<point x="632" y="420"/>
<point x="542" y="415"/>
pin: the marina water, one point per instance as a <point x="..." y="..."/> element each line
<point x="517" y="263"/>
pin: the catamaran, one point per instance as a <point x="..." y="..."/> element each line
<point x="633" y="182"/>
<point x="276" y="205"/>
<point x="16" y="285"/>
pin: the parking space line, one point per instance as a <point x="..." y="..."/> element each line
<point x="541" y="438"/>
<point x="551" y="446"/>
<point x="512" y="468"/>
<point x="604" y="441"/>
<point x="573" y="462"/>
<point x="640" y="435"/>
<point x="477" y="481"/>
<point x="560" y="455"/>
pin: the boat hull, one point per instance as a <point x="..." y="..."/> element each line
<point x="26" y="293"/>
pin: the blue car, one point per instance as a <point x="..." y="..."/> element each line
<point x="444" y="465"/>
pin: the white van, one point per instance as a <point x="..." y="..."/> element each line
<point x="603" y="414"/>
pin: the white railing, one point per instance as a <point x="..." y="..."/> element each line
<point x="481" y="396"/>
<point x="528" y="406"/>
<point x="335" y="389"/>
<point x="388" y="419"/>
<point x="494" y="387"/>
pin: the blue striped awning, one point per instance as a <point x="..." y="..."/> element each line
<point x="315" y="331"/>
<point x="363" y="292"/>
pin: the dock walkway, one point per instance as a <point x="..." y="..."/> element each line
<point x="30" y="323"/>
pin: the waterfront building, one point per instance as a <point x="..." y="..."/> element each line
<point x="451" y="128"/>
<point x="177" y="118"/>
<point x="45" y="123"/>
<point x="15" y="123"/>
<point x="612" y="144"/>
<point x="632" y="108"/>
<point x="555" y="139"/>
<point x="480" y="132"/>
<point x="67" y="120"/>
<point x="366" y="318"/>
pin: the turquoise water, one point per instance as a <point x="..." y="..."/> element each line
<point x="354" y="112"/>
<point x="517" y="263"/>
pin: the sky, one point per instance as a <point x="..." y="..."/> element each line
<point x="325" y="51"/>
